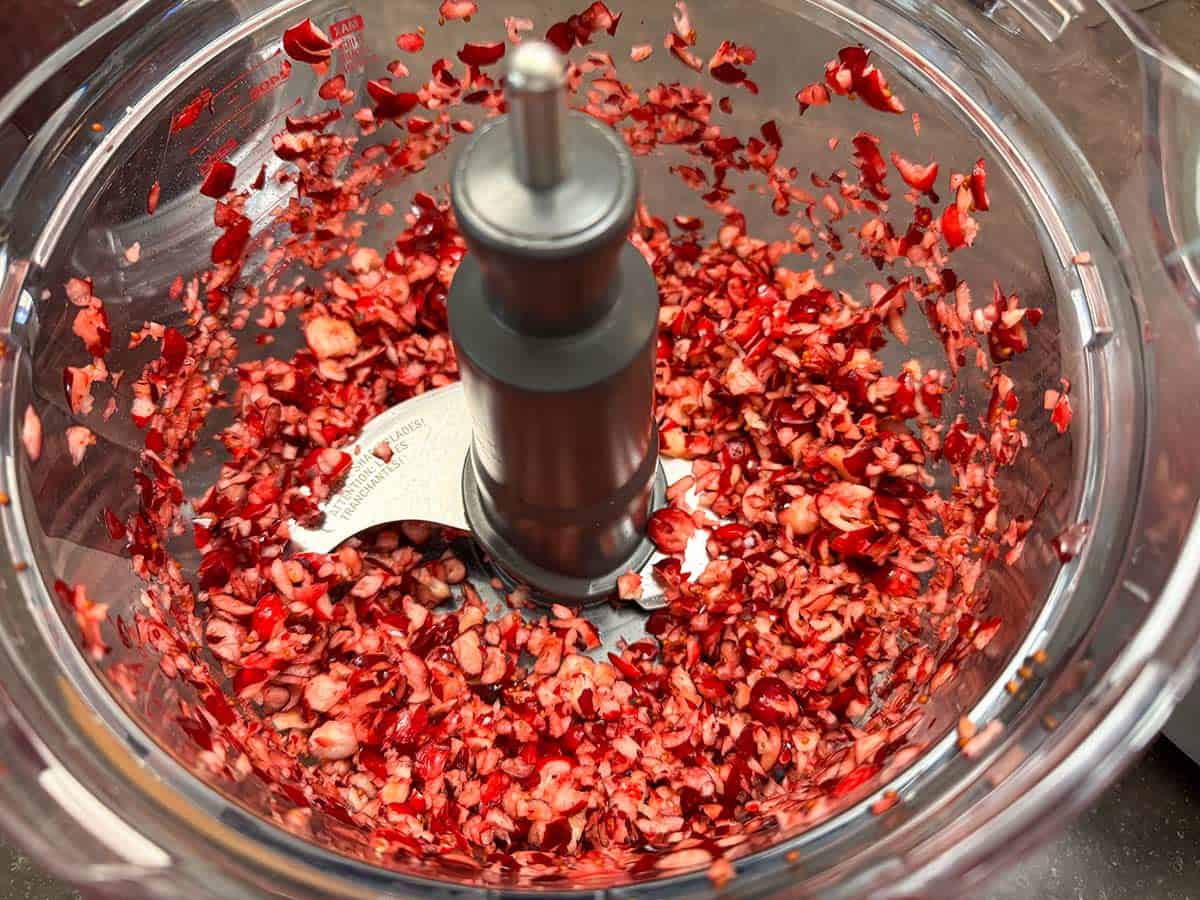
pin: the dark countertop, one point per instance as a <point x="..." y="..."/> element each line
<point x="1141" y="840"/>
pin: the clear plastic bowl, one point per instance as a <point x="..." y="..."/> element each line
<point x="1090" y="134"/>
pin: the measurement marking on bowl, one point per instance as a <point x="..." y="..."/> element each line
<point x="256" y="94"/>
<point x="217" y="155"/>
<point x="343" y="27"/>
<point x="262" y="88"/>
<point x="257" y="153"/>
<point x="354" y="56"/>
<point x="190" y="113"/>
<point x="240" y="78"/>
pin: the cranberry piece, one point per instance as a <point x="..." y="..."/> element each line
<point x="215" y="568"/>
<point x="64" y="592"/>
<point x="669" y="529"/>
<point x="199" y="732"/>
<point x="870" y="162"/>
<point x="458" y="9"/>
<point x="957" y="446"/>
<point x="624" y="666"/>
<point x="1069" y="542"/>
<point x="979" y="194"/>
<point x="712" y="688"/>
<point x="897" y="582"/>
<point x="190" y="114"/>
<point x="599" y="17"/>
<point x="561" y="36"/>
<point x="668" y="572"/>
<point x="771" y="702"/>
<point x="728" y="73"/>
<point x="856" y="779"/>
<point x="953" y="228"/>
<point x="770" y="133"/>
<point x="174" y="349"/>
<point x="853" y="543"/>
<point x="556" y="836"/>
<point x="853" y="74"/>
<point x="219" y="179"/>
<point x="247" y="678"/>
<point x="331" y="89"/>
<point x="219" y="707"/>
<point x="431" y="761"/>
<point x="481" y="54"/>
<point x="411" y="42"/>
<point x="267" y="614"/>
<point x="114" y="526"/>
<point x="374" y="762"/>
<point x="411" y="725"/>
<point x="306" y="43"/>
<point x="318" y="122"/>
<point x="874" y="89"/>
<point x="389" y="103"/>
<point x="856" y="463"/>
<point x="229" y="246"/>
<point x="812" y="95"/>
<point x="1061" y="413"/>
<point x="658" y="623"/>
<point x="437" y="634"/>
<point x="918" y="177"/>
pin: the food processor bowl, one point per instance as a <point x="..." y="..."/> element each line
<point x="1088" y="128"/>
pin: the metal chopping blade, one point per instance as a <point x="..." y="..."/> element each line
<point x="407" y="466"/>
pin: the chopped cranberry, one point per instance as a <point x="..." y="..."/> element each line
<point x="216" y="568"/>
<point x="1069" y="542"/>
<point x="979" y="195"/>
<point x="411" y="42"/>
<point x="856" y="779"/>
<point x="332" y="88"/>
<point x="306" y="43"/>
<point x="853" y="74"/>
<point x="174" y="349"/>
<point x="410" y="727"/>
<point x="812" y="95"/>
<point x="1060" y="410"/>
<point x="916" y="176"/>
<point x="870" y="162"/>
<point x="389" y="103"/>
<point x="728" y="73"/>
<point x="481" y="54"/>
<point x="267" y="614"/>
<point x="670" y="529"/>
<point x="771" y="702"/>
<point x="458" y="9"/>
<point x="219" y="180"/>
<point x="953" y="229"/>
<point x="114" y="526"/>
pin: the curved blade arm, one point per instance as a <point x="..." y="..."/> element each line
<point x="429" y="437"/>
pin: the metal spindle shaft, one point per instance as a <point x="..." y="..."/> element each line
<point x="534" y="89"/>
<point x="554" y="318"/>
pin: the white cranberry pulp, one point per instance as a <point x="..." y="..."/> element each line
<point x="371" y="689"/>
